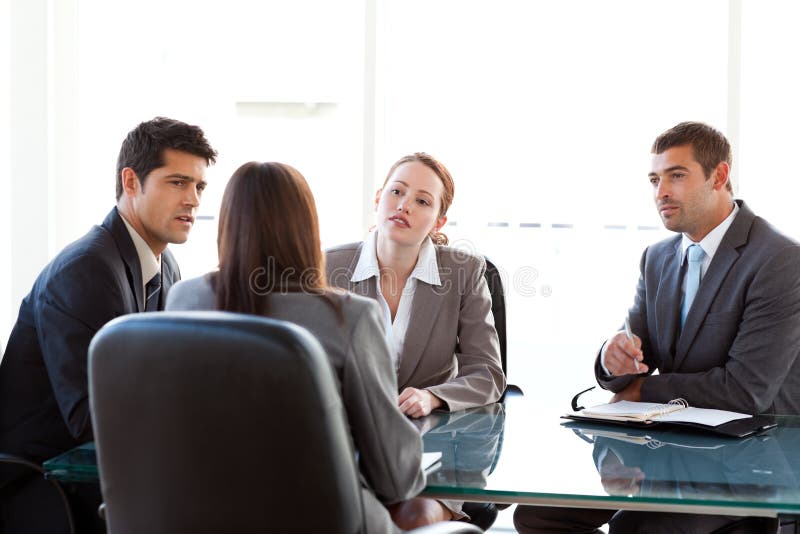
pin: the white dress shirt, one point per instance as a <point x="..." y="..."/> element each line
<point x="709" y="244"/>
<point x="426" y="270"/>
<point x="149" y="262"/>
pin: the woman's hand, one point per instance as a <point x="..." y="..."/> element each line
<point x="418" y="402"/>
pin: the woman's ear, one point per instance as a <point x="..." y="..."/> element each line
<point x="378" y="198"/>
<point x="441" y="221"/>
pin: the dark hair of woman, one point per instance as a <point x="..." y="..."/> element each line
<point x="268" y="239"/>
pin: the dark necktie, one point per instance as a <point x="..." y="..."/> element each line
<point x="152" y="293"/>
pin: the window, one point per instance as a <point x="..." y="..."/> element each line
<point x="544" y="112"/>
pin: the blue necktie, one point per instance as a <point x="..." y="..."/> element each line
<point x="694" y="254"/>
<point x="152" y="293"/>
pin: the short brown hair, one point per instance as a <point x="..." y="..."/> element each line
<point x="444" y="175"/>
<point x="268" y="238"/>
<point x="709" y="146"/>
<point x="143" y="147"/>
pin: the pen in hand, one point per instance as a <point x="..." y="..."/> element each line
<point x="630" y="337"/>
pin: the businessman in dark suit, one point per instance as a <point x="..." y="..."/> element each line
<point x="717" y="307"/>
<point x="119" y="267"/>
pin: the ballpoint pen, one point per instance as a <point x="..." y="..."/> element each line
<point x="630" y="337"/>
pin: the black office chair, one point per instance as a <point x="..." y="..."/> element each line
<point x="220" y="422"/>
<point x="495" y="283"/>
<point x="28" y="502"/>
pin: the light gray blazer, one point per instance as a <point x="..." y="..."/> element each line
<point x="389" y="445"/>
<point x="451" y="346"/>
<point x="738" y="350"/>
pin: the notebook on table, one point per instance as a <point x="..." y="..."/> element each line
<point x="676" y="412"/>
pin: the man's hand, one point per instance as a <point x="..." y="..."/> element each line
<point x="617" y="479"/>
<point x="631" y="393"/>
<point x="621" y="353"/>
<point x="418" y="402"/>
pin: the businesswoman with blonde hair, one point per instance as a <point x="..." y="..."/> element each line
<point x="434" y="299"/>
<point x="271" y="263"/>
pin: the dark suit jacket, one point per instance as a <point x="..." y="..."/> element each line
<point x="44" y="403"/>
<point x="738" y="350"/>
<point x="451" y="349"/>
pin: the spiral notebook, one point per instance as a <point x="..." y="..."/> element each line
<point x="677" y="412"/>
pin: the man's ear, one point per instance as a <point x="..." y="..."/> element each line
<point x="130" y="181"/>
<point x="721" y="175"/>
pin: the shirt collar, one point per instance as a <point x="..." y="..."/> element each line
<point x="426" y="270"/>
<point x="710" y="243"/>
<point x="149" y="262"/>
<point x="367" y="265"/>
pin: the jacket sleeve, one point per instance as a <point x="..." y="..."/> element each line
<point x="480" y="379"/>
<point x="76" y="301"/>
<point x="389" y="446"/>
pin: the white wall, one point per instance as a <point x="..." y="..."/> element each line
<point x="29" y="156"/>
<point x="6" y="305"/>
<point x="39" y="148"/>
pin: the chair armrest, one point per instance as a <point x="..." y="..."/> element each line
<point x="10" y="459"/>
<point x="16" y="460"/>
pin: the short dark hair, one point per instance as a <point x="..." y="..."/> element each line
<point x="709" y="146"/>
<point x="143" y="148"/>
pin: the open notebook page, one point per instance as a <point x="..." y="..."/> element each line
<point x="641" y="410"/>
<point x="703" y="416"/>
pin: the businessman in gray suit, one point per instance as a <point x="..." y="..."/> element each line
<point x="717" y="312"/>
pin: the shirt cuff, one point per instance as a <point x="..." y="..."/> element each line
<point x="603" y="358"/>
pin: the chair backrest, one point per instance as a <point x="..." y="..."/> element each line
<point x="219" y="422"/>
<point x="495" y="283"/>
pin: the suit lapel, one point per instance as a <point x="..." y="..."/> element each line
<point x="170" y="274"/>
<point x="723" y="260"/>
<point x="424" y="310"/>
<point x="364" y="288"/>
<point x="668" y="300"/>
<point x="116" y="227"/>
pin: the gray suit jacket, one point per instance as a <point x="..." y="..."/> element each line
<point x="451" y="347"/>
<point x="738" y="350"/>
<point x="389" y="445"/>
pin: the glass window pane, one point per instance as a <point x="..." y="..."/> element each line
<point x="544" y="112"/>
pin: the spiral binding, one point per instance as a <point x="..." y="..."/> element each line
<point x="672" y="406"/>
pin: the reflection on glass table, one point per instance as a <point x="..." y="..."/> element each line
<point x="537" y="458"/>
<point x="523" y="452"/>
<point x="76" y="465"/>
<point x="469" y="440"/>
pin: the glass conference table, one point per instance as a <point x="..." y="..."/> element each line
<point x="518" y="452"/>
